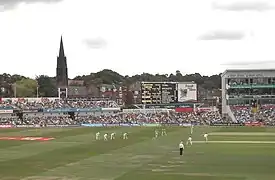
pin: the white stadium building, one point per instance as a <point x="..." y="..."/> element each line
<point x="247" y="88"/>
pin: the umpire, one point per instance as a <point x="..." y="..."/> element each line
<point x="181" y="146"/>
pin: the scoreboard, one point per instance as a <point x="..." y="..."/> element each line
<point x="158" y="92"/>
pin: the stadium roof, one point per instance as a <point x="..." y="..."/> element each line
<point x="170" y="82"/>
<point x="244" y="70"/>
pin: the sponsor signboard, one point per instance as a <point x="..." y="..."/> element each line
<point x="111" y="125"/>
<point x="6" y="126"/>
<point x="30" y="111"/>
<point x="135" y="125"/>
<point x="65" y="125"/>
<point x="51" y="125"/>
<point x="125" y="125"/>
<point x="110" y="109"/>
<point x="28" y="126"/>
<point x="170" y="124"/>
<point x="92" y="125"/>
<point x="187" y="92"/>
<point x="128" y="125"/>
<point x="254" y="124"/>
<point x="207" y="109"/>
<point x="6" y="111"/>
<point x="151" y="125"/>
<point x="61" y="110"/>
<point x="226" y="124"/>
<point x="184" y="109"/>
<point x="185" y="124"/>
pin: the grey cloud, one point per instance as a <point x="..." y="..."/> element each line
<point x="249" y="63"/>
<point x="10" y="4"/>
<point x="259" y="5"/>
<point x="223" y="35"/>
<point x="95" y="43"/>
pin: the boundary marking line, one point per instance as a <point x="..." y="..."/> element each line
<point x="238" y="142"/>
<point x="242" y="134"/>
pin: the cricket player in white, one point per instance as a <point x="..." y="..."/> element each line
<point x="205" y="137"/>
<point x="156" y="133"/>
<point x="105" y="137"/>
<point x="192" y="127"/>
<point x="189" y="141"/>
<point x="125" y="136"/>
<point x="181" y="146"/>
<point x="163" y="132"/>
<point x="97" y="136"/>
<point x="113" y="136"/>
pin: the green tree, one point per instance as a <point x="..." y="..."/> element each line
<point x="6" y="81"/>
<point x="46" y="86"/>
<point x="25" y="88"/>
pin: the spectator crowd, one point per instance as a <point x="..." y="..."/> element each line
<point x="171" y="117"/>
<point x="264" y="114"/>
<point x="46" y="103"/>
<point x="243" y="114"/>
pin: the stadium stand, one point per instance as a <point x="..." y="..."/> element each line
<point x="245" y="114"/>
<point x="167" y="118"/>
<point x="54" y="103"/>
<point x="248" y="96"/>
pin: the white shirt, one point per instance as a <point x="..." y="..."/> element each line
<point x="97" y="134"/>
<point x="105" y="135"/>
<point x="189" y="139"/>
<point x="205" y="135"/>
<point x="112" y="134"/>
<point x="181" y="145"/>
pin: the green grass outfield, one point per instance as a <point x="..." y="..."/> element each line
<point x="75" y="155"/>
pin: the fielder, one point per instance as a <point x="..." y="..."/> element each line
<point x="205" y="137"/>
<point x="189" y="141"/>
<point x="97" y="136"/>
<point x="105" y="137"/>
<point x="191" y="130"/>
<point x="156" y="133"/>
<point x="113" y="136"/>
<point x="125" y="136"/>
<point x="163" y="132"/>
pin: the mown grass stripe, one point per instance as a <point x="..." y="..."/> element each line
<point x="60" y="157"/>
<point x="57" y="133"/>
<point x="119" y="161"/>
<point x="30" y="148"/>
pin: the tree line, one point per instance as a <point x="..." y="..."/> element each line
<point x="45" y="86"/>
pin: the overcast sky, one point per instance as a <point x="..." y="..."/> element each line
<point x="135" y="36"/>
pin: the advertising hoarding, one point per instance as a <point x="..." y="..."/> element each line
<point x="6" y="111"/>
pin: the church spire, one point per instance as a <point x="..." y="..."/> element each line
<point x="61" y="49"/>
<point x="61" y="69"/>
